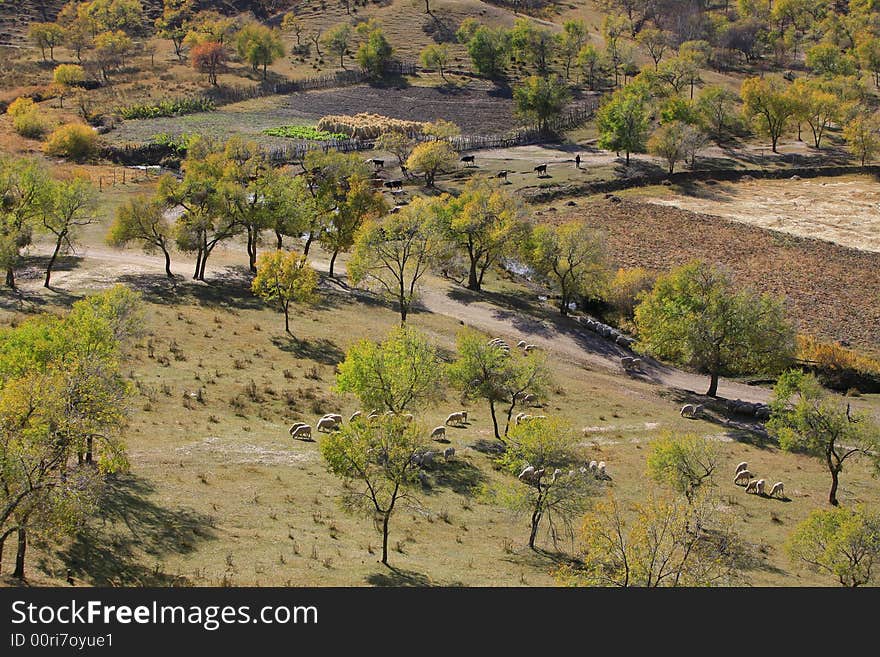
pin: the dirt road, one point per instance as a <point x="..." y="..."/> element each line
<point x="560" y="336"/>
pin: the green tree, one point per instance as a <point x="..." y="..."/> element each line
<point x="402" y="373"/>
<point x="668" y="543"/>
<point x="66" y="76"/>
<point x="430" y="158"/>
<point x="562" y="494"/>
<point x="589" y="61"/>
<point x="533" y="44"/>
<point x="284" y="278"/>
<point x="67" y="206"/>
<point x="655" y="42"/>
<point x="541" y="99"/>
<point x="259" y="46"/>
<point x="46" y="35"/>
<point x="869" y="55"/>
<point x="827" y="59"/>
<point x="435" y="56"/>
<point x="485" y="371"/>
<point x="697" y="315"/>
<point x="808" y="420"/>
<point x="111" y="49"/>
<point x="359" y="205"/>
<point x="684" y="463"/>
<point x="22" y="189"/>
<point x="174" y="22"/>
<point x="337" y="39"/>
<point x="376" y="460"/>
<point x="623" y="124"/>
<point x="375" y="53"/>
<point x="482" y="221"/>
<point x="75" y="141"/>
<point x="393" y="254"/>
<point x="816" y="107"/>
<point x="668" y="142"/>
<point x="570" y="42"/>
<point x="716" y="108"/>
<point x="843" y="543"/>
<point x="488" y="50"/>
<point x="862" y="134"/>
<point x="568" y="257"/>
<point x="140" y="219"/>
<point x="767" y="102"/>
<point x="293" y="23"/>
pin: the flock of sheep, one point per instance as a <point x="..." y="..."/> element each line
<point x="756" y="486"/>
<point x="533" y="476"/>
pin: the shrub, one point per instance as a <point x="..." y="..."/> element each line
<point x="21" y="105"/>
<point x="75" y="141"/>
<point x="625" y="287"/>
<point x="171" y="107"/>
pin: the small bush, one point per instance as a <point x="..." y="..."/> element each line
<point x="170" y="107"/>
<point x="31" y="125"/>
<point x="74" y="141"/>
<point x="303" y="132"/>
<point x="21" y="105"/>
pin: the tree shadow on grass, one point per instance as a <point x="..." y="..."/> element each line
<point x="457" y="475"/>
<point x="322" y="351"/>
<point x="399" y="577"/>
<point x="128" y="522"/>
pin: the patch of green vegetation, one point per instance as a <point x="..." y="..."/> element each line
<point x="171" y="107"/>
<point x="303" y="132"/>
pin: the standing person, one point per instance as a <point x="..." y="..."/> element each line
<point x="577" y="160"/>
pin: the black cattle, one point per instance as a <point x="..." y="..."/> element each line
<point x="541" y="169"/>
<point x="467" y="159"/>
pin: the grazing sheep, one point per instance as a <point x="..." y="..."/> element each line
<point x="593" y="466"/>
<point x="302" y="431"/>
<point x="759" y="487"/>
<point x="521" y="344"/>
<point x="519" y="418"/>
<point x="742" y="466"/>
<point x="334" y="416"/>
<point x="778" y="488"/>
<point x="327" y="424"/>
<point x="637" y="364"/>
<point x="438" y="432"/>
<point x="354" y="416"/>
<point x="752" y="486"/>
<point x="526" y="473"/>
<point x="600" y="470"/>
<point x="626" y="362"/>
<point x="742" y="475"/>
<point x="691" y="410"/>
<point x="448" y="453"/>
<point x="529" y="347"/>
<point x="530" y="399"/>
<point x="556" y="474"/>
<point x="458" y="418"/>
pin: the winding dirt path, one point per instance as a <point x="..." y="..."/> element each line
<point x="563" y="337"/>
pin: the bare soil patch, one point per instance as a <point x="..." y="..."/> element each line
<point x="833" y="290"/>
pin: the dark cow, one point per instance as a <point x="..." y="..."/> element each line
<point x="503" y="174"/>
<point x="467" y="159"/>
<point x="394" y="184"/>
<point x="379" y="164"/>
<point x="541" y="169"/>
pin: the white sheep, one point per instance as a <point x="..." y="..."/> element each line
<point x="520" y="418"/>
<point x="600" y="469"/>
<point x="778" y="488"/>
<point x="354" y="416"/>
<point x="438" y="433"/>
<point x="691" y="410"/>
<point x="530" y="398"/>
<point x="530" y="347"/>
<point x="327" y="424"/>
<point x="295" y="426"/>
<point x="742" y="475"/>
<point x="556" y="474"/>
<point x="448" y="453"/>
<point x="334" y="416"/>
<point x="759" y="486"/>
<point x="302" y="431"/>
<point x="521" y="344"/>
<point x="752" y="486"/>
<point x="626" y="362"/>
<point x="742" y="466"/>
<point x="526" y="473"/>
<point x="457" y="418"/>
<point x="593" y="466"/>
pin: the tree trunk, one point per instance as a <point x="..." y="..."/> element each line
<point x="627" y="158"/>
<point x="167" y="263"/>
<point x="713" y="385"/>
<point x="279" y="240"/>
<point x="473" y="281"/>
<point x="287" y="319"/>
<point x="10" y="277"/>
<point x="494" y="419"/>
<point x="308" y="244"/>
<point x="198" y="265"/>
<point x="52" y="260"/>
<point x="333" y="261"/>
<point x="20" y="554"/>
<point x="533" y="534"/>
<point x="832" y="494"/>
<point x="385" y="538"/>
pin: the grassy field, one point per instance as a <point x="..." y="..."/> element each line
<point x="220" y="495"/>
